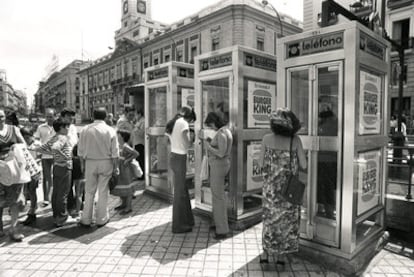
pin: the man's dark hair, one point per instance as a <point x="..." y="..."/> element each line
<point x="66" y="111"/>
<point x="26" y="132"/>
<point x="141" y="112"/>
<point x="125" y="135"/>
<point x="214" y="118"/>
<point x="185" y="112"/>
<point x="99" y="114"/>
<point x="60" y="123"/>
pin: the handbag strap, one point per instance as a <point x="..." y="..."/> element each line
<point x="290" y="153"/>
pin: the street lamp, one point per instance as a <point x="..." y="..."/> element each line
<point x="265" y="3"/>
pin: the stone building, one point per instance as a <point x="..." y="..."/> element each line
<point x="10" y="98"/>
<point x="117" y="78"/>
<point x="62" y="89"/>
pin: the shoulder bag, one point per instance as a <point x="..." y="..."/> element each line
<point x="293" y="190"/>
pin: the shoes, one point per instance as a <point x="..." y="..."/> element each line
<point x="31" y="219"/>
<point x="44" y="204"/>
<point x="183" y="231"/>
<point x="80" y="224"/>
<point x="102" y="225"/>
<point x="219" y="236"/>
<point x="16" y="237"/>
<point x="124" y="212"/>
<point x="120" y="207"/>
<point x="264" y="260"/>
<point x="279" y="262"/>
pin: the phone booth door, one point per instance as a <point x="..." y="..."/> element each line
<point x="215" y="97"/>
<point x="315" y="95"/>
<point x="157" y="141"/>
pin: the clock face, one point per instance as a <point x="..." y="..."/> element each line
<point x="141" y="7"/>
<point x="125" y="7"/>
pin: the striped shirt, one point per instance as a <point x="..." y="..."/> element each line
<point x="61" y="149"/>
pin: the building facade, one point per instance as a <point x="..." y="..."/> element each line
<point x="11" y="99"/>
<point x="62" y="89"/>
<point x="115" y="79"/>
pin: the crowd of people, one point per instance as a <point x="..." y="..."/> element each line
<point x="107" y="158"/>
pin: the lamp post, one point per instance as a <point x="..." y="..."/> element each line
<point x="265" y="3"/>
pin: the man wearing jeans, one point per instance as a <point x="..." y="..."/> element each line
<point x="98" y="150"/>
<point x="43" y="133"/>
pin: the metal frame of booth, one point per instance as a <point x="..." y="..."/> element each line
<point x="167" y="87"/>
<point x="341" y="69"/>
<point x="239" y="83"/>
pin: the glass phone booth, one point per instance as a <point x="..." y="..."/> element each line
<point x="240" y="84"/>
<point x="335" y="80"/>
<point x="168" y="87"/>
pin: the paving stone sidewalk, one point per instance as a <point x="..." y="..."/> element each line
<point x="141" y="244"/>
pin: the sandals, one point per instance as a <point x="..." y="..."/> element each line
<point x="124" y="212"/>
<point x="17" y="237"/>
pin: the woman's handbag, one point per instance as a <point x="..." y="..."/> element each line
<point x="293" y="190"/>
<point x="204" y="174"/>
<point x="113" y="182"/>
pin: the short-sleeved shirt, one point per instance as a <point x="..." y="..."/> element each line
<point x="178" y="146"/>
<point x="44" y="133"/>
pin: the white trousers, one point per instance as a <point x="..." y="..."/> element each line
<point x="97" y="175"/>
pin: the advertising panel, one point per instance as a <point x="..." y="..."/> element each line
<point x="369" y="103"/>
<point x="254" y="178"/>
<point x="187" y="97"/>
<point x="369" y="166"/>
<point x="261" y="100"/>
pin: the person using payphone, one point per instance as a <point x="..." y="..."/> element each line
<point x="178" y="130"/>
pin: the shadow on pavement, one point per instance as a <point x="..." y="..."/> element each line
<point x="68" y="232"/>
<point x="164" y="246"/>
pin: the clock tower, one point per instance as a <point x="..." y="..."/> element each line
<point x="136" y="21"/>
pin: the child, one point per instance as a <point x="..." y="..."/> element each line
<point x="129" y="169"/>
<point x="32" y="185"/>
<point x="78" y="179"/>
<point x="61" y="149"/>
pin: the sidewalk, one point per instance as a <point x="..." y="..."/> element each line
<point x="142" y="244"/>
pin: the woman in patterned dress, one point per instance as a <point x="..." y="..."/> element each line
<point x="10" y="196"/>
<point x="280" y="218"/>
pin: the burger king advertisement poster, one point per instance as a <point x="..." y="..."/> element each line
<point x="254" y="172"/>
<point x="369" y="103"/>
<point x="368" y="180"/>
<point x="261" y="101"/>
<point x="187" y="97"/>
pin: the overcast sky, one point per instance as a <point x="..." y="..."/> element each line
<point x="31" y="32"/>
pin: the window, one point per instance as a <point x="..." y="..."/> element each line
<point x="135" y="33"/>
<point x="167" y="58"/>
<point x="179" y="55"/>
<point x="193" y="53"/>
<point x="125" y="23"/>
<point x="134" y="67"/>
<point x="126" y="67"/>
<point x="260" y="44"/>
<point x="156" y="61"/>
<point x="401" y="31"/>
<point x="150" y="30"/>
<point x="215" y="44"/>
<point x="406" y="103"/>
<point x="395" y="74"/>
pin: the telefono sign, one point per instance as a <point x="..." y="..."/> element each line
<point x="315" y="44"/>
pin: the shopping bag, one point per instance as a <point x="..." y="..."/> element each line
<point x="136" y="169"/>
<point x="113" y="182"/>
<point x="204" y="169"/>
<point x="9" y="170"/>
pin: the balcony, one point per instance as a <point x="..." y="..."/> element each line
<point x="395" y="4"/>
<point x="408" y="44"/>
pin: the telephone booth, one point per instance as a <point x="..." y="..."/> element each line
<point x="168" y="87"/>
<point x="239" y="83"/>
<point x="335" y="80"/>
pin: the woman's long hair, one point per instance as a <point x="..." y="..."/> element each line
<point x="186" y="113"/>
<point x="284" y="122"/>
